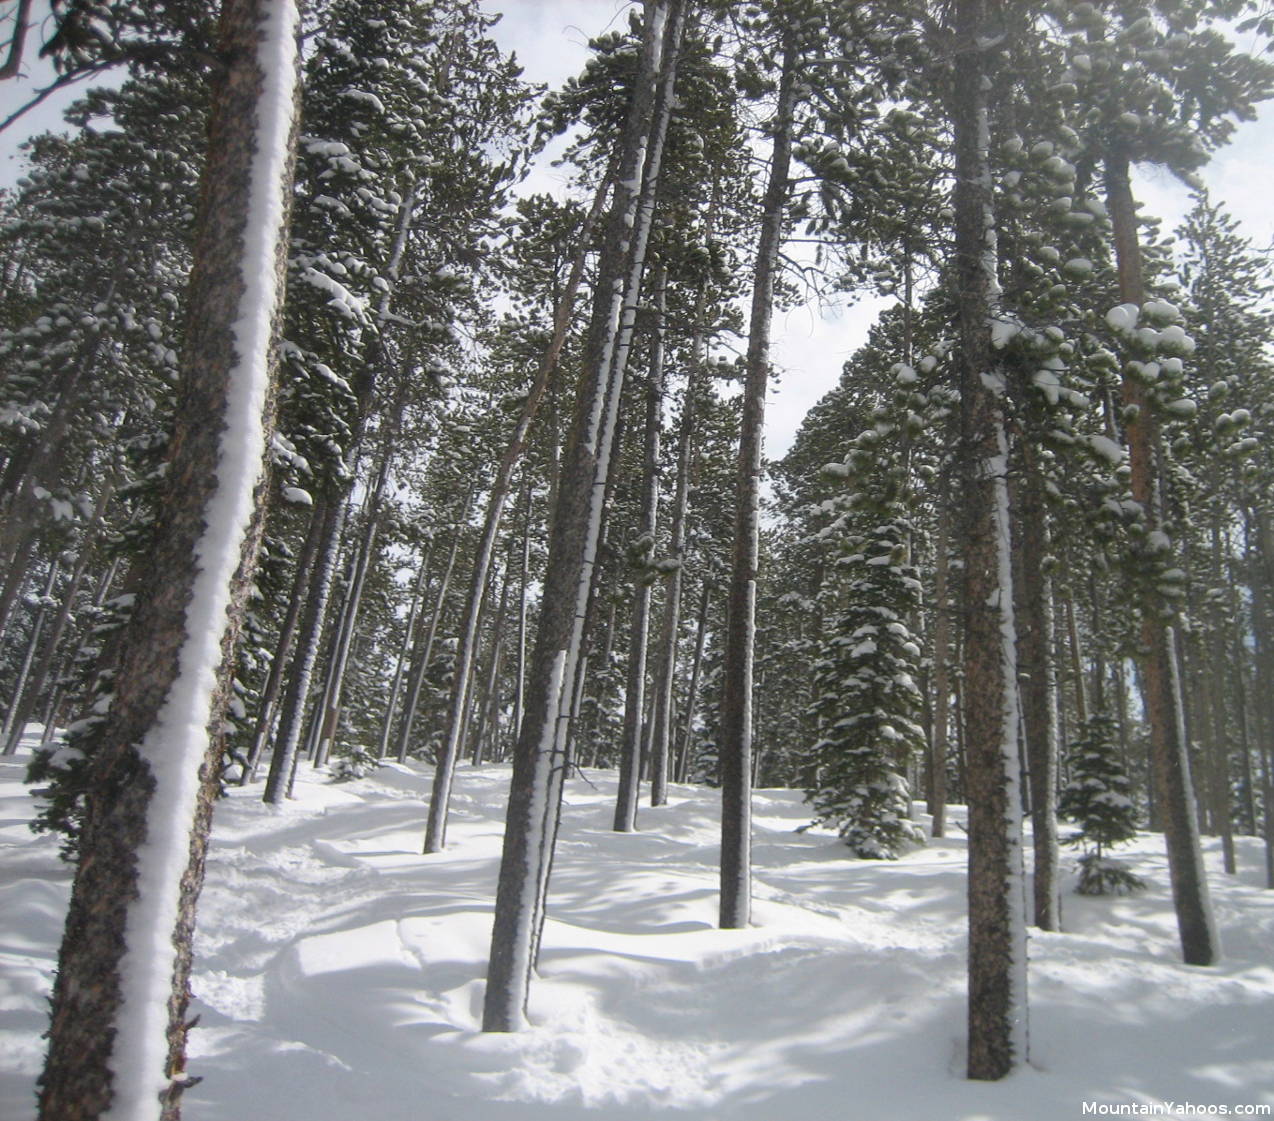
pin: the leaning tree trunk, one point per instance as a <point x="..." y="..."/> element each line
<point x="735" y="746"/>
<point x="118" y="1032"/>
<point x="539" y="760"/>
<point x="685" y="754"/>
<point x="997" y="906"/>
<point x="440" y="798"/>
<point x="1195" y="923"/>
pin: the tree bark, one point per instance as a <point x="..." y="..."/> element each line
<point x="331" y="508"/>
<point x="118" y="1029"/>
<point x="1039" y="715"/>
<point x="535" y="793"/>
<point x="639" y="633"/>
<point x="1195" y="923"/>
<point x="440" y="798"/>
<point x="941" y="673"/>
<point x="735" y="747"/>
<point x="997" y="905"/>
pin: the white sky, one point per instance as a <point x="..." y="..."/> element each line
<point x="550" y="39"/>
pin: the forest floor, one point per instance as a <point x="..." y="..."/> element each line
<point x="339" y="972"/>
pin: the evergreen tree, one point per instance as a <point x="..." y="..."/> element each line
<point x="1098" y="799"/>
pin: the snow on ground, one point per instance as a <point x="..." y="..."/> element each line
<point x="339" y="972"/>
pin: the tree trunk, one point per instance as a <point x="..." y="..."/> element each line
<point x="941" y="672"/>
<point x="685" y="755"/>
<point x="735" y="744"/>
<point x="400" y="661"/>
<point x="535" y="794"/>
<point x="331" y="508"/>
<point x="420" y="658"/>
<point x="440" y="798"/>
<point x="1199" y="942"/>
<point x="118" y="1031"/>
<point x="15" y="717"/>
<point x="662" y="678"/>
<point x="1039" y="715"/>
<point x="997" y="905"/>
<point x="639" y="634"/>
<point x="283" y="647"/>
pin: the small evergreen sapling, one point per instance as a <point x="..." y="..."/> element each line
<point x="1097" y="800"/>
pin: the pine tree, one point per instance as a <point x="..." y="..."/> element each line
<point x="867" y="697"/>
<point x="1098" y="799"/>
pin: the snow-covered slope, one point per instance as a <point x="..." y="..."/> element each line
<point x="339" y="973"/>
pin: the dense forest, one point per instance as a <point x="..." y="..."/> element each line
<point x="326" y="443"/>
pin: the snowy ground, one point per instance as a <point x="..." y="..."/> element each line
<point x="339" y="973"/>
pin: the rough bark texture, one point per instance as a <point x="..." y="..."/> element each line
<point x="997" y="951"/>
<point x="79" y="1081"/>
<point x="539" y="759"/>
<point x="1175" y="795"/>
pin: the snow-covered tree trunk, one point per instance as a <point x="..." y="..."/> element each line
<point x="1200" y="944"/>
<point x="735" y="735"/>
<point x="440" y="798"/>
<point x="641" y="554"/>
<point x="997" y="897"/>
<point x="118" y="1030"/>
<point x="539" y="761"/>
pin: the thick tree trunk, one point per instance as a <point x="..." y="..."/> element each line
<point x="118" y="1030"/>
<point x="539" y="762"/>
<point x="997" y="919"/>
<point x="1199" y="942"/>
<point x="735" y="744"/>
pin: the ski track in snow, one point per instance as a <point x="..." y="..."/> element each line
<point x="339" y="972"/>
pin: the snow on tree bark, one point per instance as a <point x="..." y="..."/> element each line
<point x="539" y="759"/>
<point x="1200" y="944"/>
<point x="997" y="920"/>
<point x="117" y="1036"/>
